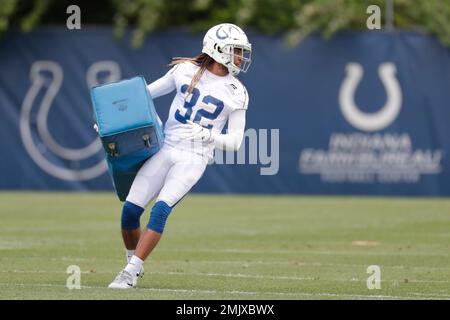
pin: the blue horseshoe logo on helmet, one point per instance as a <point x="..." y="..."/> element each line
<point x="223" y="31"/>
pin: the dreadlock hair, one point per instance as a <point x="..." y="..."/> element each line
<point x="202" y="60"/>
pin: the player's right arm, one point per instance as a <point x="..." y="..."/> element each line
<point x="163" y="85"/>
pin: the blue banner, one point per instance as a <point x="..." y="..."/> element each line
<point x="363" y="113"/>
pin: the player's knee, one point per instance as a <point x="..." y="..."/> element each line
<point x="131" y="215"/>
<point x="158" y="217"/>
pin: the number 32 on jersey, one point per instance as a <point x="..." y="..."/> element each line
<point x="201" y="113"/>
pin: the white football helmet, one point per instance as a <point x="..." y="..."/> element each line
<point x="226" y="43"/>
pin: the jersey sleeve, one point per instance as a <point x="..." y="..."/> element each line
<point x="241" y="99"/>
<point x="232" y="140"/>
<point x="163" y="85"/>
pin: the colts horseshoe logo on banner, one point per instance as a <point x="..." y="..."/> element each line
<point x="46" y="80"/>
<point x="370" y="121"/>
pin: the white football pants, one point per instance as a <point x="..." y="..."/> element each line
<point x="171" y="172"/>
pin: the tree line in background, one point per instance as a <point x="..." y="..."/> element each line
<point x="295" y="19"/>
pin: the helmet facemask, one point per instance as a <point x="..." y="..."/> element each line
<point x="238" y="52"/>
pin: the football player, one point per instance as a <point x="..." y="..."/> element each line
<point x="208" y="95"/>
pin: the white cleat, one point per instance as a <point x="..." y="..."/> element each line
<point x="141" y="273"/>
<point x="124" y="280"/>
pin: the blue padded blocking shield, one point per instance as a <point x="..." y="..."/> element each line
<point x="129" y="128"/>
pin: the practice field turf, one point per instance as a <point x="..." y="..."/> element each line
<point x="229" y="247"/>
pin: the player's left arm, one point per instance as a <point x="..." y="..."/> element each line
<point x="232" y="140"/>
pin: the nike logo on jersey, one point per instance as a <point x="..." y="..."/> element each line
<point x="232" y="87"/>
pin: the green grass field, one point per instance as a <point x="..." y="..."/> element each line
<point x="229" y="247"/>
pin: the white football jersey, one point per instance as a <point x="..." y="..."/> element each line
<point x="210" y="103"/>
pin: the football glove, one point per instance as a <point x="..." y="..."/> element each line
<point x="194" y="131"/>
